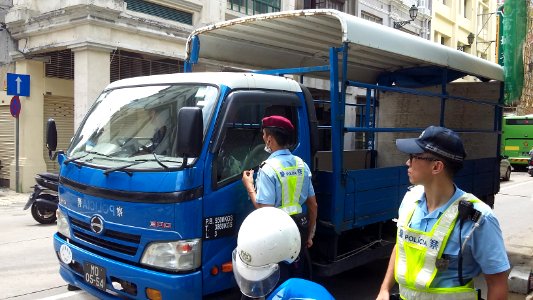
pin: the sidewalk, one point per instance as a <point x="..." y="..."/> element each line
<point x="9" y="197"/>
<point x="520" y="256"/>
<point x="513" y="208"/>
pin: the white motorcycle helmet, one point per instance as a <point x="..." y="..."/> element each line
<point x="267" y="236"/>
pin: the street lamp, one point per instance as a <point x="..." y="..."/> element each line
<point x="413" y="12"/>
<point x="470" y="38"/>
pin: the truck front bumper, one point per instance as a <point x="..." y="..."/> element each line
<point x="123" y="280"/>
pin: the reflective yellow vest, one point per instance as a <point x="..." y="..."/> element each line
<point x="291" y="180"/>
<point x="417" y="253"/>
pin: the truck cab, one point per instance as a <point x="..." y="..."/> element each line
<point x="135" y="205"/>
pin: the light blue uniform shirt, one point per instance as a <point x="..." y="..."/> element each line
<point x="267" y="183"/>
<point x="484" y="252"/>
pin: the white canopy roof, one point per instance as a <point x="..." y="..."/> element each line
<point x="291" y="39"/>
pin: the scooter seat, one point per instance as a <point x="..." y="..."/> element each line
<point x="48" y="180"/>
<point x="49" y="176"/>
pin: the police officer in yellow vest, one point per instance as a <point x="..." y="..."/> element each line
<point x="284" y="180"/>
<point x="445" y="236"/>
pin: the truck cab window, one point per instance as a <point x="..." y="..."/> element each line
<point x="242" y="146"/>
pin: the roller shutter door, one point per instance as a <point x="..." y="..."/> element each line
<point x="61" y="109"/>
<point x="7" y="143"/>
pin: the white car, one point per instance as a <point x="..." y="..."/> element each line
<point x="505" y="169"/>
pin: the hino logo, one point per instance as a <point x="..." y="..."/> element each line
<point x="97" y="224"/>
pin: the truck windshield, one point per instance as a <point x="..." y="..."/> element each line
<point x="137" y="126"/>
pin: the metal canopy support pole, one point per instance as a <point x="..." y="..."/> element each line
<point x="344" y="85"/>
<point x="337" y="126"/>
<point x="368" y="140"/>
<point x="444" y="96"/>
<point x="193" y="55"/>
<point x="373" y="120"/>
<point x="302" y="70"/>
<point x="498" y="119"/>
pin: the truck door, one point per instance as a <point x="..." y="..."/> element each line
<point x="237" y="145"/>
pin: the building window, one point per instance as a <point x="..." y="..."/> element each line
<point x="444" y="40"/>
<point x="61" y="64"/>
<point x="483" y="21"/>
<point x="334" y="4"/>
<point x="252" y="7"/>
<point x="371" y="17"/>
<point x="126" y="64"/>
<point x="466" y="9"/>
<point x="160" y="11"/>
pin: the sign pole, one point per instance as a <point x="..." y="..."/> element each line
<point x="17" y="181"/>
<point x="15" y="107"/>
<point x="17" y="85"/>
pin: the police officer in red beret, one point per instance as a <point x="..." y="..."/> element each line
<point x="284" y="181"/>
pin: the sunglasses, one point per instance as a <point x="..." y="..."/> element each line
<point x="419" y="157"/>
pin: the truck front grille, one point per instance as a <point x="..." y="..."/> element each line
<point x="82" y="231"/>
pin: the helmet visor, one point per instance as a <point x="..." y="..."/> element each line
<point x="254" y="282"/>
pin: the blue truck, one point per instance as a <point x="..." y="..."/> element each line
<point x="150" y="193"/>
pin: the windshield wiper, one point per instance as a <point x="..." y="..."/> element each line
<point x="120" y="168"/>
<point x="98" y="153"/>
<point x="66" y="161"/>
<point x="140" y="161"/>
<point x="159" y="161"/>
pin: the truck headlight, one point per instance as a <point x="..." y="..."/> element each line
<point x="174" y="256"/>
<point x="62" y="224"/>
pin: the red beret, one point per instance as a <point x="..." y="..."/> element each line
<point x="277" y="122"/>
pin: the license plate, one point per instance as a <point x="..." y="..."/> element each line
<point x="94" y="275"/>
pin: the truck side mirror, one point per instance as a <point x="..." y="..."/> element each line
<point x="51" y="137"/>
<point x="190" y="132"/>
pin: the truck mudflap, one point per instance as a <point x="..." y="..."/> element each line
<point x="116" y="280"/>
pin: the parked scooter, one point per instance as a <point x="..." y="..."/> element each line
<point x="530" y="167"/>
<point x="43" y="201"/>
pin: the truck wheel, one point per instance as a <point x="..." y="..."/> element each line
<point x="43" y="215"/>
<point x="507" y="175"/>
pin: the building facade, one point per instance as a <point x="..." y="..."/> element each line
<point x="467" y="25"/>
<point x="384" y="12"/>
<point x="7" y="122"/>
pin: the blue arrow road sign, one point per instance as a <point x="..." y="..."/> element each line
<point x="18" y="84"/>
